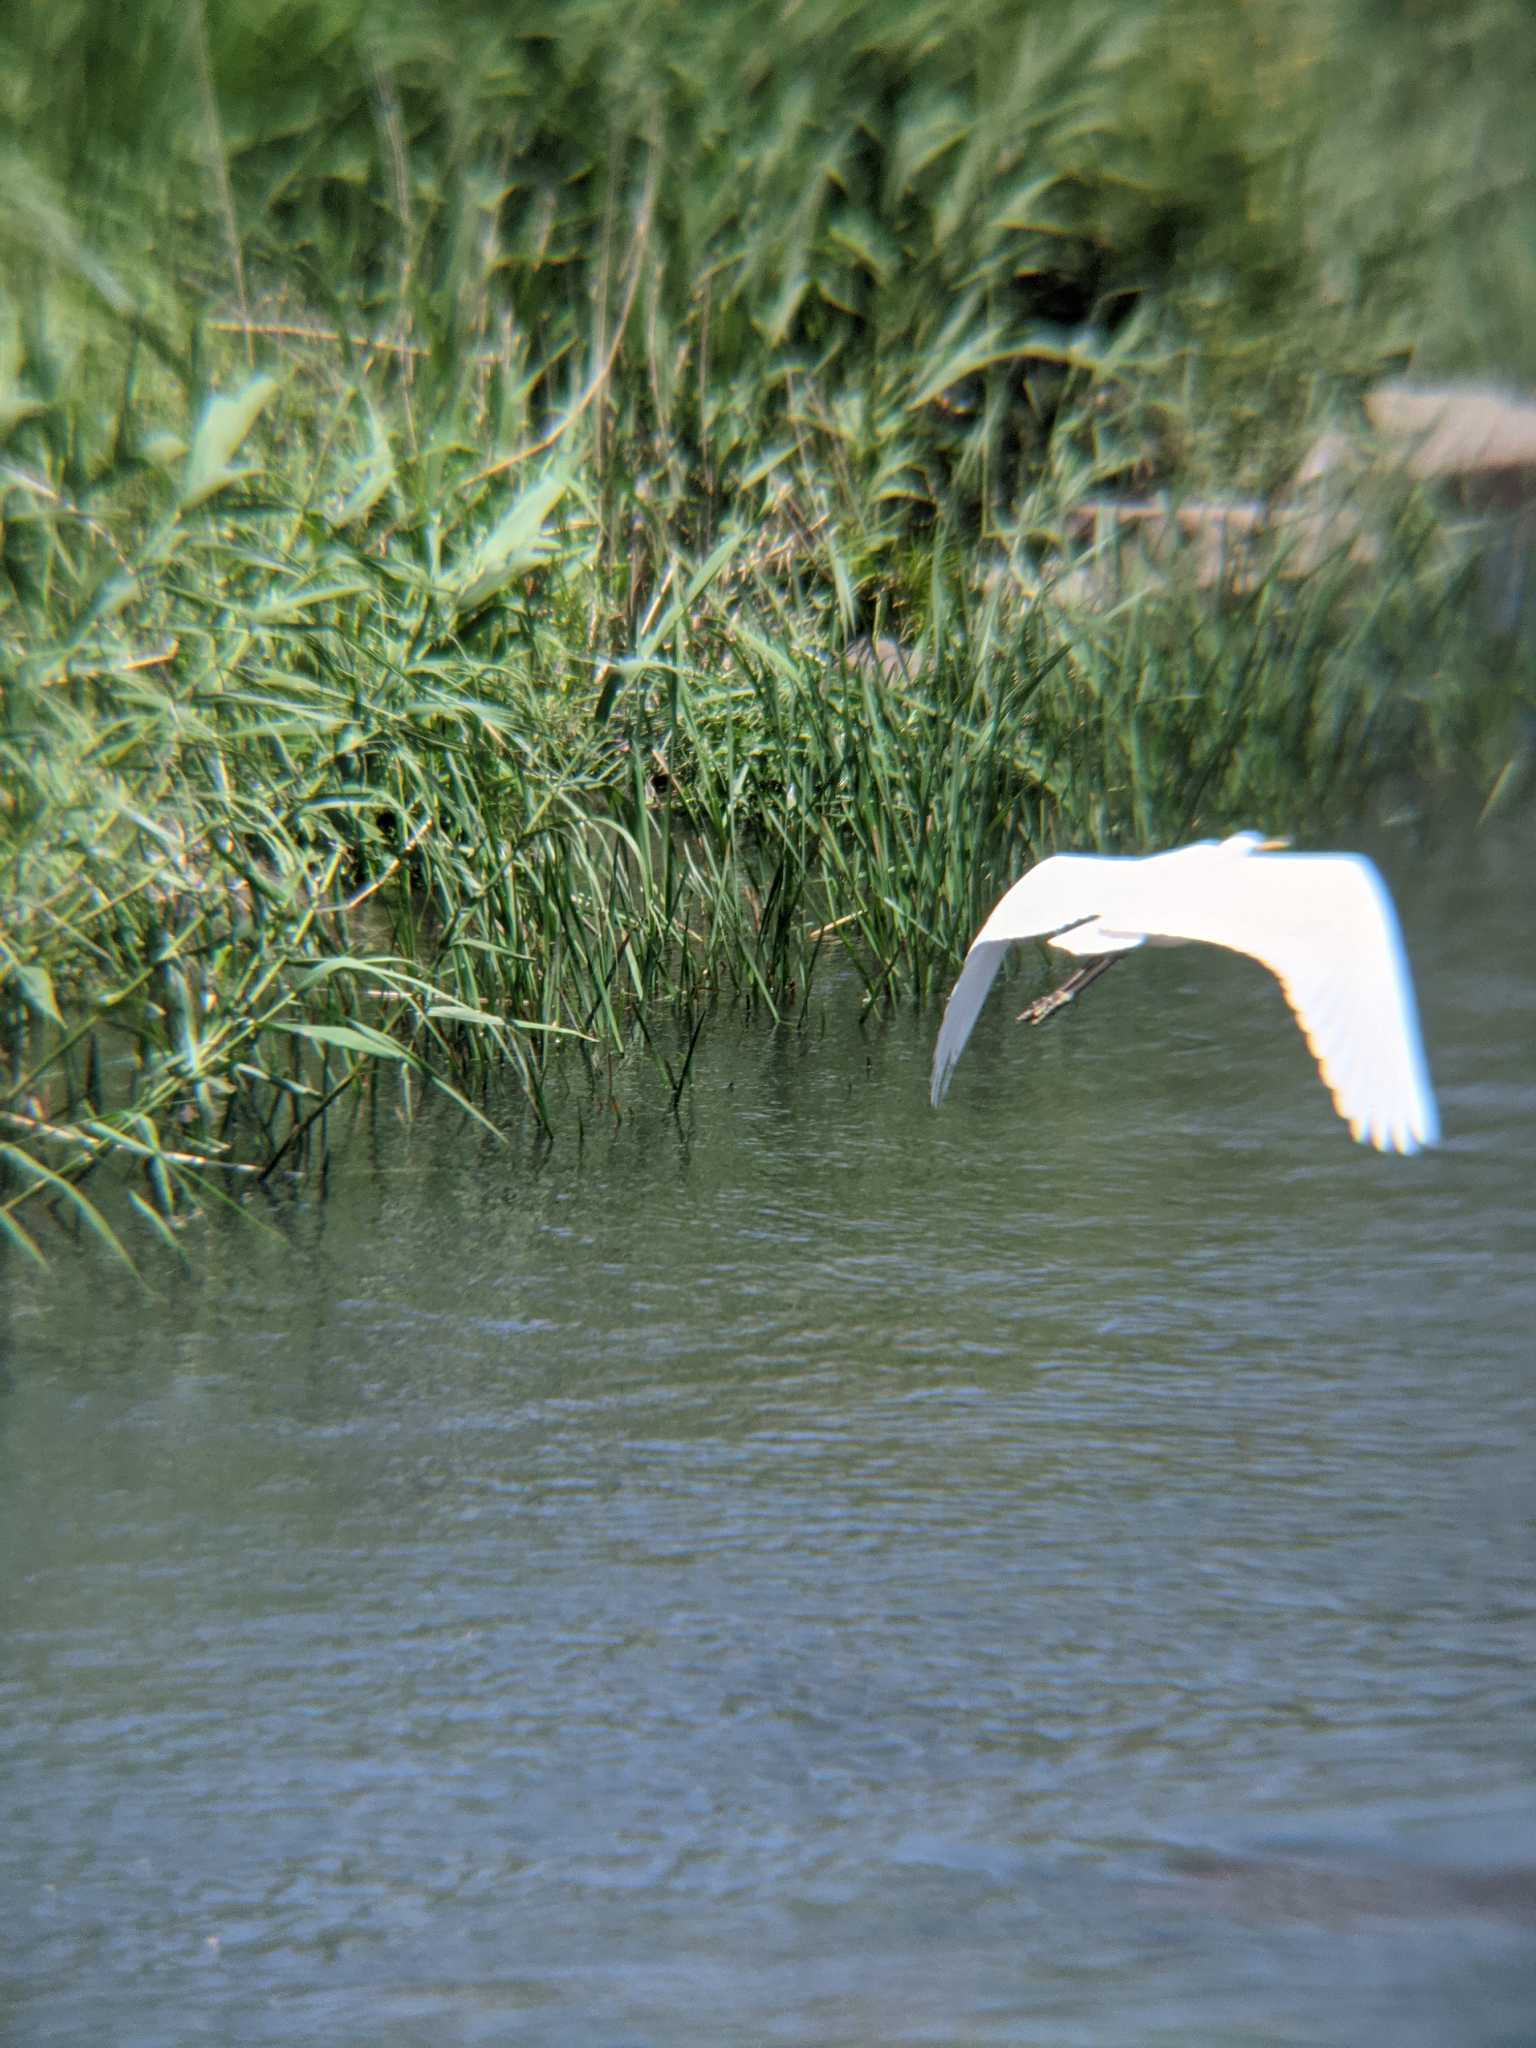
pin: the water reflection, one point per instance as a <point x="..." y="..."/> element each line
<point x="1060" y="1569"/>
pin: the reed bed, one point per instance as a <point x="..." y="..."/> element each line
<point x="506" y="527"/>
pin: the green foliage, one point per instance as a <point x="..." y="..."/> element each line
<point x="445" y="450"/>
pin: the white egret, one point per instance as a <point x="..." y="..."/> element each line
<point x="1322" y="923"/>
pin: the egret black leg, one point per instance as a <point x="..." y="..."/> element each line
<point x="1068" y="991"/>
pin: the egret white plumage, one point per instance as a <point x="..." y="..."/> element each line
<point x="1322" y="923"/>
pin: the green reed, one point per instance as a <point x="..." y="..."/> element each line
<point x="446" y="464"/>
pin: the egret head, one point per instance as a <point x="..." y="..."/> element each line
<point x="1253" y="842"/>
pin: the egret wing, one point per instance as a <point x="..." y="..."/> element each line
<point x="1324" y="925"/>
<point x="962" y="1010"/>
<point x="1064" y="890"/>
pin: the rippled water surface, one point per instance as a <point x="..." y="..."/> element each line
<point x="1057" y="1571"/>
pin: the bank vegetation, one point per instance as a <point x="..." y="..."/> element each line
<point x="514" y="519"/>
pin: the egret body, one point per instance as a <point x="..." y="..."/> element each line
<point x="1322" y="923"/>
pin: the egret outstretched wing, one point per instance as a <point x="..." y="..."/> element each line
<point x="1061" y="891"/>
<point x="1323" y="924"/>
<point x="962" y="1010"/>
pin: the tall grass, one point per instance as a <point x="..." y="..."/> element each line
<point x="444" y="457"/>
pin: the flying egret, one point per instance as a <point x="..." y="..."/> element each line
<point x="1323" y="923"/>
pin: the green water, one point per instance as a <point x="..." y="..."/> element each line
<point x="814" y="1571"/>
